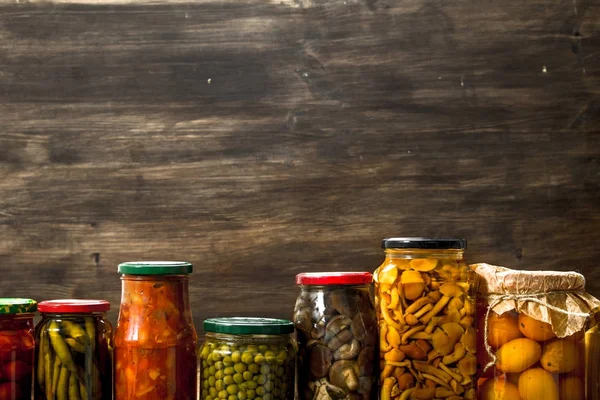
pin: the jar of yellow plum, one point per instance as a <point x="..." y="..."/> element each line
<point x="424" y="295"/>
<point x="532" y="336"/>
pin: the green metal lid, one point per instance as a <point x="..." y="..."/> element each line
<point x="17" y="306"/>
<point x="155" y="268"/>
<point x="248" y="326"/>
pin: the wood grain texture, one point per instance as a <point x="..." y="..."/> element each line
<point x="259" y="139"/>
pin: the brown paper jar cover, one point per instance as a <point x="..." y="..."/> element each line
<point x="558" y="298"/>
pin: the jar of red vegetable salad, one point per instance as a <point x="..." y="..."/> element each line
<point x="16" y="348"/>
<point x="155" y="338"/>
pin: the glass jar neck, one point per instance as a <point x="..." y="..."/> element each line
<point x="150" y="287"/>
<point x="58" y="315"/>
<point x="453" y="254"/>
<point x="247" y="339"/>
<point x="323" y="288"/>
<point x="16" y="321"/>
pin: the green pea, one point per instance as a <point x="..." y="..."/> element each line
<point x="229" y="371"/>
<point x="254" y="368"/>
<point x="225" y="348"/>
<point x="267" y="396"/>
<point x="271" y="377"/>
<point x="205" y="373"/>
<point x="204" y="393"/>
<point x="251" y="384"/>
<point x="247" y="357"/>
<point x="236" y="356"/>
<point x="228" y="380"/>
<point x="232" y="389"/>
<point x="204" y="364"/>
<point x="216" y="356"/>
<point x="211" y="381"/>
<point x="252" y="348"/>
<point x="239" y="367"/>
<point x="265" y="369"/>
<point x="213" y="391"/>
<point x="268" y="386"/>
<point x="279" y="372"/>
<point x="205" y="352"/>
<point x="238" y="378"/>
<point x="263" y="347"/>
<point x="227" y="361"/>
<point x="232" y="397"/>
<point x="241" y="396"/>
<point x="250" y="394"/>
<point x="281" y="356"/>
<point x="212" y="370"/>
<point x="262" y="379"/>
<point x="269" y="356"/>
<point x="219" y="374"/>
<point x="218" y="365"/>
<point x="259" y="359"/>
<point x="205" y="384"/>
<point x="209" y="398"/>
<point x="247" y="375"/>
<point x="223" y="394"/>
<point x="260" y="390"/>
<point x="219" y="384"/>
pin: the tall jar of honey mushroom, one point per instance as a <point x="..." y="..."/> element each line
<point x="155" y="338"/>
<point x="538" y="335"/>
<point x="425" y="301"/>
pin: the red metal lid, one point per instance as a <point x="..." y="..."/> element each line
<point x="73" y="306"/>
<point x="334" y="278"/>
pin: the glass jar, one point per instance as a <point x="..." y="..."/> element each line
<point x="155" y="338"/>
<point x="537" y="335"/>
<point x="425" y="300"/>
<point x="16" y="348"/>
<point x="337" y="336"/>
<point x="73" y="350"/>
<point x="248" y="358"/>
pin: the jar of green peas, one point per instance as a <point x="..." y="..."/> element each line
<point x="248" y="358"/>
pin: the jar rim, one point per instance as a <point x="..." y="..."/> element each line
<point x="15" y="306"/>
<point x="424" y="243"/>
<point x="334" y="278"/>
<point x="248" y="326"/>
<point x="155" y="268"/>
<point x="73" y="306"/>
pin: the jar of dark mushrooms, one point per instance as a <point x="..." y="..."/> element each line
<point x="337" y="335"/>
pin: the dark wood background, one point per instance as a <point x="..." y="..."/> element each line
<point x="258" y="139"/>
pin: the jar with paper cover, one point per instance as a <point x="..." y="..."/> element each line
<point x="532" y="335"/>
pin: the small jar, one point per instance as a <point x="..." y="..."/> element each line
<point x="538" y="335"/>
<point x="337" y="336"/>
<point x="425" y="299"/>
<point x="247" y="358"/>
<point x="155" y="338"/>
<point x="16" y="348"/>
<point x="73" y="350"/>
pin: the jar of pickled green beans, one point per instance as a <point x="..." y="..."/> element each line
<point x="248" y="358"/>
<point x="73" y="351"/>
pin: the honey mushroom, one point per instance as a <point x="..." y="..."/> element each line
<point x="427" y="339"/>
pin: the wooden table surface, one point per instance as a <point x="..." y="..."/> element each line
<point x="258" y="139"/>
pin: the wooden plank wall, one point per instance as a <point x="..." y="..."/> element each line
<point x="258" y="139"/>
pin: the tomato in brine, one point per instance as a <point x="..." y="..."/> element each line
<point x="16" y="348"/>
